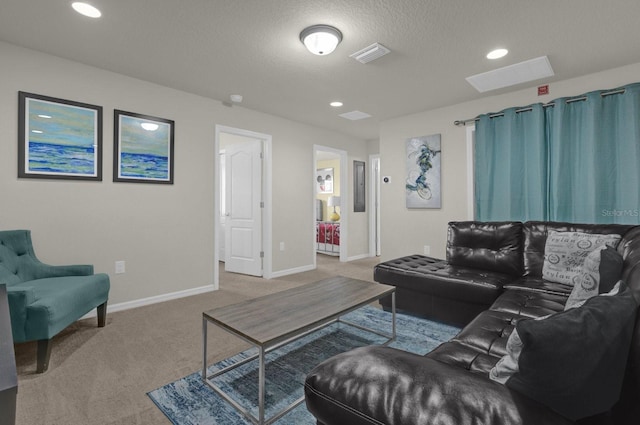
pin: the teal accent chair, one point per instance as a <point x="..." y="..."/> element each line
<point x="44" y="299"/>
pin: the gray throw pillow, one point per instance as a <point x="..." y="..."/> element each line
<point x="565" y="252"/>
<point x="573" y="361"/>
<point x="600" y="272"/>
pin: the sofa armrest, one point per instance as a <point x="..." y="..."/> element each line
<point x="43" y="271"/>
<point x="19" y="299"/>
<point x="381" y="385"/>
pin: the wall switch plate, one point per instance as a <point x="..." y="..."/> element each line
<point x="120" y="267"/>
<point x="281" y="246"/>
<point x="427" y="250"/>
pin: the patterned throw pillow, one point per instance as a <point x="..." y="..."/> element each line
<point x="600" y="272"/>
<point x="565" y="252"/>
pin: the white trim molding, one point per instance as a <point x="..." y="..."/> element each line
<point x="295" y="270"/>
<point x="127" y="305"/>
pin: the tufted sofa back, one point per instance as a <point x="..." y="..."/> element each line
<point x="16" y="257"/>
<point x="495" y="246"/>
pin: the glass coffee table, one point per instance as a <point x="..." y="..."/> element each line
<point x="271" y="321"/>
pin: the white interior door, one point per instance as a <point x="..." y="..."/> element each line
<point x="223" y="207"/>
<point x="243" y="233"/>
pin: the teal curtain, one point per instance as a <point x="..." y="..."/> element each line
<point x="577" y="160"/>
<point x="510" y="165"/>
<point x="594" y="158"/>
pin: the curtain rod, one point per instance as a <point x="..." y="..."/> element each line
<point x="546" y="105"/>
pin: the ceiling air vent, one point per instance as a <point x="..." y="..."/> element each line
<point x="373" y="52"/>
<point x="355" y="115"/>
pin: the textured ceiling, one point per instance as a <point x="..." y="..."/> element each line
<point x="215" y="48"/>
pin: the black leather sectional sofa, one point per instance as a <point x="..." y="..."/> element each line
<point x="491" y="280"/>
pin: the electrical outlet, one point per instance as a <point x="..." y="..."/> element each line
<point x="427" y="250"/>
<point x="281" y="246"/>
<point x="119" y="267"/>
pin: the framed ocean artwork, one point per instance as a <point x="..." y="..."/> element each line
<point x="58" y="138"/>
<point x="423" y="172"/>
<point x="143" y="148"/>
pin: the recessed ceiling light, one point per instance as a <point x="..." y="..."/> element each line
<point x="336" y="104"/>
<point x="86" y="9"/>
<point x="497" y="54"/>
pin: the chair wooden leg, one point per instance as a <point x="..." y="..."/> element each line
<point x="44" y="352"/>
<point x="102" y="315"/>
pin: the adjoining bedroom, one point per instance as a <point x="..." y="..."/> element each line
<point x="327" y="203"/>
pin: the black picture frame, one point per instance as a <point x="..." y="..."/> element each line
<point x="143" y="148"/>
<point x="359" y="185"/>
<point x="58" y="138"/>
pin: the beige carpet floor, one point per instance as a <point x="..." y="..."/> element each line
<point x="101" y="375"/>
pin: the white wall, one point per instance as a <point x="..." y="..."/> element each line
<point x="406" y="231"/>
<point x="165" y="233"/>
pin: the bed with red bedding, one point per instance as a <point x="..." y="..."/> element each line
<point x="328" y="237"/>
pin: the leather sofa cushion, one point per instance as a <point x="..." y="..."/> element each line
<point x="537" y="284"/>
<point x="495" y="246"/>
<point x="381" y="385"/>
<point x="535" y="239"/>
<point x="530" y="304"/>
<point x="464" y="357"/>
<point x="436" y="277"/>
<point x="480" y="345"/>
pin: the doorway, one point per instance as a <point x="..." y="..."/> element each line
<point x="332" y="198"/>
<point x="242" y="201"/>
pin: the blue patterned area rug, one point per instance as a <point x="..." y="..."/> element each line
<point x="189" y="401"/>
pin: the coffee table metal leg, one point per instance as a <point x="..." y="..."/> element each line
<point x="204" y="349"/>
<point x="393" y="314"/>
<point x="261" y="386"/>
<point x="261" y="420"/>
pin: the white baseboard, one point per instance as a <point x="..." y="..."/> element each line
<point x="151" y="300"/>
<point x="359" y="257"/>
<point x="292" y="271"/>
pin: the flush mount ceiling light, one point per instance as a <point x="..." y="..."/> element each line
<point x="497" y="54"/>
<point x="336" y="104"/>
<point x="86" y="9"/>
<point x="321" y="39"/>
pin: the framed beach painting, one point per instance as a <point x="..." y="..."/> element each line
<point x="143" y="148"/>
<point x="423" y="172"/>
<point x="58" y="138"/>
